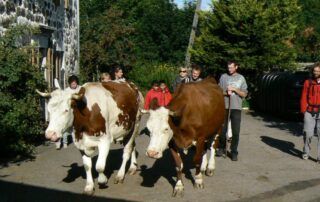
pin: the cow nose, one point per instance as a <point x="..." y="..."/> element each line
<point x="51" y="135"/>
<point x="152" y="154"/>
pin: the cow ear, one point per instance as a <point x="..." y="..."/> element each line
<point x="56" y="83"/>
<point x="154" y="104"/>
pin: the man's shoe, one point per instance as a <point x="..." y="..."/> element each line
<point x="220" y="152"/>
<point x="305" y="156"/>
<point x="234" y="157"/>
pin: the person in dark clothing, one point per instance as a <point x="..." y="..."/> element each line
<point x="234" y="87"/>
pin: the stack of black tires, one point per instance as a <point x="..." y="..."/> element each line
<point x="279" y="93"/>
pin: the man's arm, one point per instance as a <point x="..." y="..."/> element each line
<point x="303" y="99"/>
<point x="241" y="93"/>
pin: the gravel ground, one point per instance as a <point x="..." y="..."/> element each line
<point x="269" y="169"/>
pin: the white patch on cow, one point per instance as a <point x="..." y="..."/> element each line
<point x="160" y="131"/>
<point x="179" y="168"/>
<point x="204" y="163"/>
<point x="211" y="163"/>
<point x="185" y="151"/>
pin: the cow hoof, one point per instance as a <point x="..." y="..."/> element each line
<point x="88" y="190"/>
<point x="198" y="185"/>
<point x="209" y="172"/>
<point x="118" y="180"/>
<point x="132" y="171"/>
<point x="102" y="179"/>
<point x="178" y="191"/>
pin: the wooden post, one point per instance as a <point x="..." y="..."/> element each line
<point x="192" y="34"/>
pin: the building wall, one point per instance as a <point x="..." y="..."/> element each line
<point x="58" y="42"/>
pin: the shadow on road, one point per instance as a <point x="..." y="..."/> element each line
<point x="21" y="192"/>
<point x="113" y="163"/>
<point x="294" y="127"/>
<point x="284" y="190"/>
<point x="165" y="167"/>
<point x="282" y="145"/>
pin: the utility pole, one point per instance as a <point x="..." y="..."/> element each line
<point x="193" y="33"/>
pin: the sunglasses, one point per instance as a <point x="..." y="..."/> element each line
<point x="184" y="71"/>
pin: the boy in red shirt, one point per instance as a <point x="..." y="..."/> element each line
<point x="153" y="93"/>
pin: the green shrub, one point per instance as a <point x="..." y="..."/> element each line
<point x="20" y="120"/>
<point x="144" y="73"/>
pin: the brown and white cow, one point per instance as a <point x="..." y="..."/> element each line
<point x="194" y="117"/>
<point x="101" y="113"/>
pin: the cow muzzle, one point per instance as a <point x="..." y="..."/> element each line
<point x="51" y="135"/>
<point x="154" y="154"/>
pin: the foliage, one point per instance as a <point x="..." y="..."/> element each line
<point x="144" y="73"/>
<point x="162" y="30"/>
<point x="136" y="31"/>
<point x="308" y="35"/>
<point x="104" y="43"/>
<point x="257" y="34"/>
<point x="20" y="121"/>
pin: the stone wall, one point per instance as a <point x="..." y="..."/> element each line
<point x="58" y="22"/>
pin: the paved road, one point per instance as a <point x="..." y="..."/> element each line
<point x="269" y="169"/>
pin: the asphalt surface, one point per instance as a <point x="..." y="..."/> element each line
<point x="270" y="168"/>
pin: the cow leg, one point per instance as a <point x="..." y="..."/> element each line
<point x="197" y="162"/>
<point x="133" y="164"/>
<point x="89" y="188"/>
<point x="178" y="189"/>
<point x="211" y="165"/>
<point x="104" y="147"/>
<point x="127" y="152"/>
<point x="204" y="163"/>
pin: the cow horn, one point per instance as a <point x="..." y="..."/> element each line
<point x="172" y="113"/>
<point x="77" y="96"/>
<point x="143" y="111"/>
<point x="46" y="94"/>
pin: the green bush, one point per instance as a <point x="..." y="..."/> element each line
<point x="20" y="120"/>
<point x="144" y="73"/>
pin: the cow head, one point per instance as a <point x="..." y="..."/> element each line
<point x="60" y="113"/>
<point x="160" y="131"/>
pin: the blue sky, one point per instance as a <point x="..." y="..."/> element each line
<point x="204" y="4"/>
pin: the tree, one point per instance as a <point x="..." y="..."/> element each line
<point x="307" y="41"/>
<point x="105" y="42"/>
<point x="20" y="120"/>
<point x="257" y="34"/>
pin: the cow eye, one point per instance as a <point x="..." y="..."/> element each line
<point x="66" y="111"/>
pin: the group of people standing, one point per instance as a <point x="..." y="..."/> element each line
<point x="232" y="83"/>
<point x="160" y="90"/>
<point x="235" y="90"/>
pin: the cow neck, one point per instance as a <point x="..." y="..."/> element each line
<point x="87" y="121"/>
<point x="182" y="140"/>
